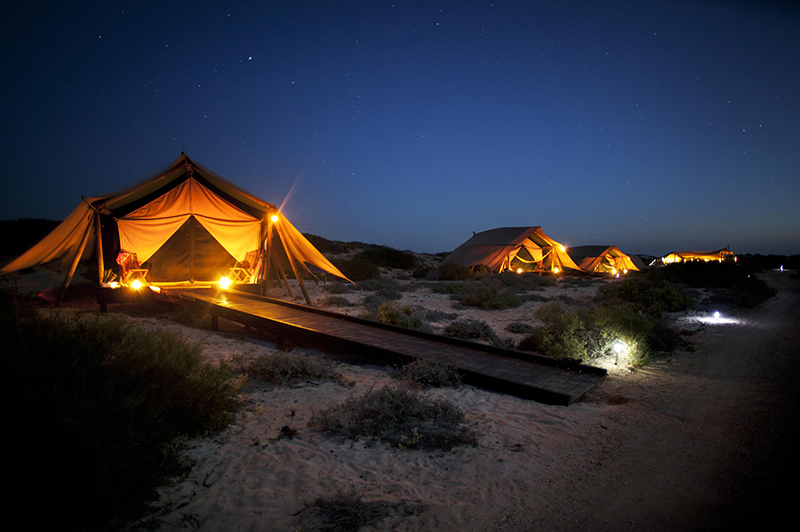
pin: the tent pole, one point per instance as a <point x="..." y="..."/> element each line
<point x="299" y="279"/>
<point x="98" y="235"/>
<point x="267" y="259"/>
<point x="279" y="269"/>
<point x="74" y="265"/>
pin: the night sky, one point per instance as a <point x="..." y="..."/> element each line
<point x="652" y="126"/>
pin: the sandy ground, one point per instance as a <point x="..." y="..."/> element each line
<point x="694" y="441"/>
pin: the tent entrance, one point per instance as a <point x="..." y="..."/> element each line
<point x="190" y="254"/>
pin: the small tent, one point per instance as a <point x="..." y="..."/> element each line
<point x="720" y="255"/>
<point x="184" y="226"/>
<point x="512" y="248"/>
<point x="602" y="259"/>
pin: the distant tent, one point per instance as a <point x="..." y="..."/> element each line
<point x="603" y="259"/>
<point x="186" y="225"/>
<point x="514" y="248"/>
<point x="720" y="255"/>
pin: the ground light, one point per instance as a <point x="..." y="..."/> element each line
<point x="715" y="318"/>
<point x="619" y="348"/>
<point x="225" y="282"/>
<point x="136" y="284"/>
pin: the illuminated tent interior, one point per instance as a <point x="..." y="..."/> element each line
<point x="707" y="256"/>
<point x="603" y="259"/>
<point x="185" y="226"/>
<point x="513" y="248"/>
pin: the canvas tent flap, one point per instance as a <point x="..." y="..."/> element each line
<point x="61" y="244"/>
<point x="149" y="227"/>
<point x="299" y="247"/>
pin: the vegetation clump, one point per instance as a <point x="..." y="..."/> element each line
<point x="470" y="329"/>
<point x="427" y="373"/>
<point x="288" y="368"/>
<point x="404" y="316"/>
<point x="98" y="407"/>
<point x="400" y="417"/>
<point x="489" y="295"/>
<point x="347" y="511"/>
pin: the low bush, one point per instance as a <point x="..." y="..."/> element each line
<point x="284" y="369"/>
<point x="458" y="272"/>
<point x="489" y="295"/>
<point x="735" y="284"/>
<point x="399" y="316"/>
<point x="387" y="257"/>
<point x="347" y="511"/>
<point x="653" y="296"/>
<point x="357" y="269"/>
<point x="427" y="373"/>
<point x="400" y="417"/>
<point x="97" y="408"/>
<point x="592" y="333"/>
<point x="470" y="329"/>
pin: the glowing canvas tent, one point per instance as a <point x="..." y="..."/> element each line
<point x="514" y="248"/>
<point x="602" y="259"/>
<point x="184" y="226"/>
<point x="706" y="256"/>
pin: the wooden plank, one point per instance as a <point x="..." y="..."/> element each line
<point x="507" y="371"/>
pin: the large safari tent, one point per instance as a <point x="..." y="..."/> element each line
<point x="603" y="259"/>
<point x="185" y="226"/>
<point x="513" y="248"/>
<point x="720" y="255"/>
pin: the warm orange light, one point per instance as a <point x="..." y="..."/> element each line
<point x="274" y="218"/>
<point x="519" y="270"/>
<point x="225" y="282"/>
<point x="136" y="284"/>
<point x="555" y="269"/>
<point x="563" y="248"/>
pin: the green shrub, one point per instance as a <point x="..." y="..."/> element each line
<point x="97" y="407"/>
<point x="519" y="328"/>
<point x="470" y="329"/>
<point x="284" y="369"/>
<point x="649" y="295"/>
<point x="588" y="334"/>
<point x="357" y="269"/>
<point x="736" y="284"/>
<point x="489" y="296"/>
<point x="401" y="317"/>
<point x="458" y="272"/>
<point x="428" y="373"/>
<point x="387" y="257"/>
<point x="402" y="418"/>
<point x="347" y="511"/>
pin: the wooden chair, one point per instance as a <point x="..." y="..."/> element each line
<point x="244" y="271"/>
<point x="129" y="268"/>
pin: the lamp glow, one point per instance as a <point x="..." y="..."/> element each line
<point x="274" y="218"/>
<point x="619" y="348"/>
<point x="519" y="270"/>
<point x="136" y="284"/>
<point x="555" y="269"/>
<point x="225" y="282"/>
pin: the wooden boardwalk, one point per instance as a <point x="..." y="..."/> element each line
<point x="523" y="374"/>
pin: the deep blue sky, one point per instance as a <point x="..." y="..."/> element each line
<point x="653" y="126"/>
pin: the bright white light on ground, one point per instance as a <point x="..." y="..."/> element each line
<point x="714" y="319"/>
